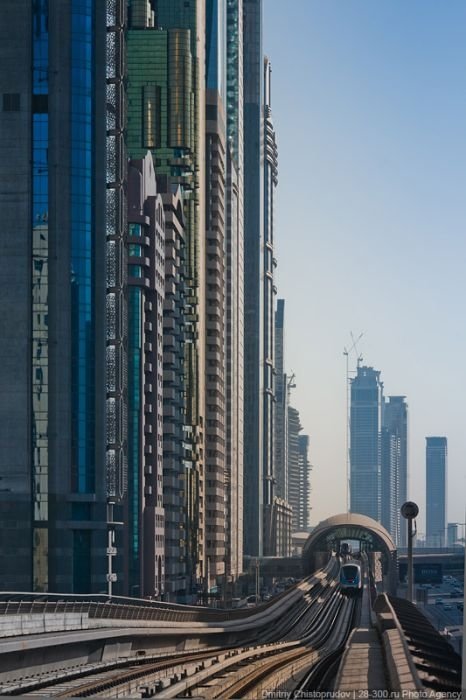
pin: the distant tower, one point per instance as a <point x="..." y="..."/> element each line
<point x="394" y="466"/>
<point x="365" y="442"/>
<point x="281" y="406"/>
<point x="436" y="490"/>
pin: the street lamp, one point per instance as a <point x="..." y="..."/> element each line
<point x="410" y="510"/>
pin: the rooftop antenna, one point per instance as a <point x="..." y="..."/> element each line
<point x="346" y="353"/>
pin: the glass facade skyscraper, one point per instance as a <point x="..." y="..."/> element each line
<point x="365" y="443"/>
<point x="52" y="464"/>
<point x="436" y="491"/>
<point x="394" y="470"/>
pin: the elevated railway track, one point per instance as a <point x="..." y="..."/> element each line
<point x="295" y="645"/>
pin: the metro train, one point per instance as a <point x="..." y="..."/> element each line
<point x="345" y="549"/>
<point x="351" y="578"/>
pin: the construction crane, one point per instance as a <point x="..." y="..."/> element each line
<point x="359" y="359"/>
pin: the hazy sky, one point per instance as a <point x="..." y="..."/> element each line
<point x="369" y="104"/>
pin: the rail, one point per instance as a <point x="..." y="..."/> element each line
<point x="121" y="608"/>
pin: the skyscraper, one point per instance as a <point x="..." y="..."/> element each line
<point x="145" y="517"/>
<point x="215" y="215"/>
<point x="281" y="406"/>
<point x="58" y="459"/>
<point x="166" y="113"/>
<point x="294" y="472"/>
<point x="260" y="163"/>
<point x="304" y="508"/>
<point x="394" y="471"/>
<point x="254" y="367"/>
<point x="436" y="491"/>
<point x="176" y="451"/>
<point x="365" y="443"/>
<point x="234" y="294"/>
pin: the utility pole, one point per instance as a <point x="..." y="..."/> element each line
<point x="346" y="353"/>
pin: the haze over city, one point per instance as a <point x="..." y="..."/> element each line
<point x="369" y="104"/>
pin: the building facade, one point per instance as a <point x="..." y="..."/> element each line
<point x="366" y="396"/>
<point x="215" y="216"/>
<point x="177" y="451"/>
<point x="304" y="509"/>
<point x="166" y="114"/>
<point x="234" y="294"/>
<point x="281" y="405"/>
<point x="270" y="181"/>
<point x="436" y="491"/>
<point x="394" y="469"/>
<point x="145" y="517"/>
<point x="294" y="475"/>
<point x="53" y="435"/>
<point x="253" y="273"/>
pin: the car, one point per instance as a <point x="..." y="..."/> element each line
<point x="439" y="601"/>
<point x="448" y="607"/>
<point x="460" y="606"/>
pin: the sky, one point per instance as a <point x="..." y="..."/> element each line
<point x="369" y="105"/>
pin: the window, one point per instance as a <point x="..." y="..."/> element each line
<point x="11" y="102"/>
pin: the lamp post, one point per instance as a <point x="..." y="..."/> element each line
<point x="410" y="510"/>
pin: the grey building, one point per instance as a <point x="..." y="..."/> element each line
<point x="365" y="443"/>
<point x="394" y="468"/>
<point x="59" y="459"/>
<point x="253" y="271"/>
<point x="176" y="449"/>
<point x="294" y="470"/>
<point x="166" y="113"/>
<point x="145" y="518"/>
<point x="436" y="491"/>
<point x="304" y="506"/>
<point x="281" y="406"/>
<point x="215" y="215"/>
<point x="234" y="294"/>
<point x="268" y="303"/>
<point x="260" y="179"/>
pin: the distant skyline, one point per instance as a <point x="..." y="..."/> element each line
<point x="369" y="103"/>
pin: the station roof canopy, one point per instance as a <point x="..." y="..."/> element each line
<point x="349" y="526"/>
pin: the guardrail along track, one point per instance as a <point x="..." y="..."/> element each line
<point x="437" y="663"/>
<point x="313" y="609"/>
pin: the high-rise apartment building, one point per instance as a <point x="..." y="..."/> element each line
<point x="365" y="443"/>
<point x="394" y="466"/>
<point x="215" y="215"/>
<point x="281" y="406"/>
<point x="59" y="460"/>
<point x="176" y="450"/>
<point x="145" y="521"/>
<point x="436" y="491"/>
<point x="234" y="294"/>
<point x="304" y="507"/>
<point x="166" y="114"/>
<point x="294" y="472"/>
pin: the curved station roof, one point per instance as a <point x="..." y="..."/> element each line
<point x="349" y="526"/>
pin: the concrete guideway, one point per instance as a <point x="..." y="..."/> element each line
<point x="19" y="656"/>
<point x="362" y="666"/>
